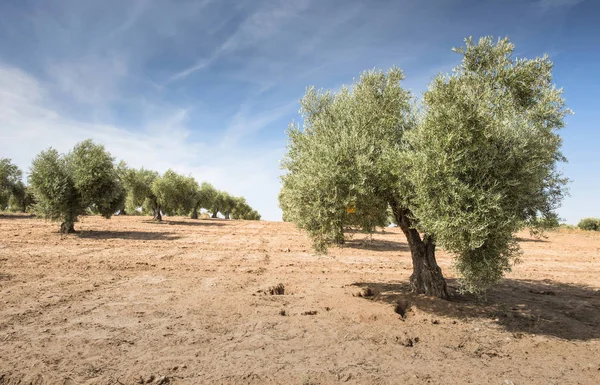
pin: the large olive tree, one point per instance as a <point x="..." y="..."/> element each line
<point x="476" y="163"/>
<point x="65" y="186"/>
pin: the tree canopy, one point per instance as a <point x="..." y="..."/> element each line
<point x="476" y="161"/>
<point x="65" y="186"/>
<point x="10" y="181"/>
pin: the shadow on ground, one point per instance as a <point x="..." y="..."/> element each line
<point x="16" y="216"/>
<point x="520" y="306"/>
<point x="191" y="222"/>
<point x="137" y="235"/>
<point x="195" y="222"/>
<point x="541" y="240"/>
<point x="375" y="245"/>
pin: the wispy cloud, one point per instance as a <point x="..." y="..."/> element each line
<point x="261" y="25"/>
<point x="550" y="4"/>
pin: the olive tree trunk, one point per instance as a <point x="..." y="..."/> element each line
<point x="214" y="214"/>
<point x="194" y="213"/>
<point x="427" y="277"/>
<point x="157" y="214"/>
<point x="67" y="227"/>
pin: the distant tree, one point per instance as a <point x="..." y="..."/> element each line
<point x="217" y="204"/>
<point x="65" y="186"/>
<point x="592" y="224"/>
<point x="242" y="210"/>
<point x="228" y="204"/>
<point x="138" y="184"/>
<point x="22" y="198"/>
<point x="122" y="173"/>
<point x="476" y="164"/>
<point x="174" y="193"/>
<point x="204" y="197"/>
<point x="10" y="178"/>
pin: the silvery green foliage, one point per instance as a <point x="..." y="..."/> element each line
<point x="242" y="210"/>
<point x="206" y="195"/>
<point x="10" y="181"/>
<point x="65" y="186"/>
<point x="485" y="153"/>
<point x="477" y="163"/>
<point x="138" y="183"/>
<point x="95" y="178"/>
<point x="346" y="154"/>
<point x="174" y="192"/>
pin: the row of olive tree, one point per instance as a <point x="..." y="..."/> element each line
<point x="474" y="164"/>
<point x="176" y="194"/>
<point x="87" y="179"/>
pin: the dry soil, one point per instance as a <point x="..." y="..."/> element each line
<point x="128" y="301"/>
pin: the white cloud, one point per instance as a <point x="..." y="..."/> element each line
<point x="29" y="124"/>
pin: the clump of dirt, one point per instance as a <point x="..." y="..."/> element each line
<point x="310" y="312"/>
<point x="276" y="290"/>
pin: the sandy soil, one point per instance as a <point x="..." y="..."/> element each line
<point x="129" y="301"/>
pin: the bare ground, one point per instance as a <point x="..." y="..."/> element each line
<point x="129" y="301"/>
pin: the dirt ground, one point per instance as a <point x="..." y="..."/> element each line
<point x="129" y="301"/>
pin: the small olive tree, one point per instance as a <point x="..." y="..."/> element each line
<point x="10" y="181"/>
<point x="65" y="186"/>
<point x="477" y="163"/>
<point x="204" y="197"/>
<point x="138" y="184"/>
<point x="242" y="210"/>
<point x="174" y="193"/>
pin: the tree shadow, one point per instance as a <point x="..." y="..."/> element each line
<point x="192" y="222"/>
<point x="541" y="240"/>
<point x="16" y="216"/>
<point x="375" y="245"/>
<point x="545" y="307"/>
<point x="135" y="235"/>
<point x="196" y="222"/>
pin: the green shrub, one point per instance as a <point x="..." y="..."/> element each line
<point x="589" y="224"/>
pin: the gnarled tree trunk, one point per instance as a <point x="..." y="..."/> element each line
<point x="214" y="214"/>
<point x="427" y="276"/>
<point x="67" y="227"/>
<point x="194" y="213"/>
<point x="157" y="216"/>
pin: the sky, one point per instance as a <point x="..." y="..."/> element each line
<point x="208" y="87"/>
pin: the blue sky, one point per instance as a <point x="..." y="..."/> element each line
<point x="208" y="87"/>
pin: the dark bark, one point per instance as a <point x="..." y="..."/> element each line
<point x="157" y="214"/>
<point x="214" y="214"/>
<point x="67" y="227"/>
<point x="427" y="277"/>
<point x="194" y="213"/>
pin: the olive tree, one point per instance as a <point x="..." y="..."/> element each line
<point x="65" y="186"/>
<point x="218" y="203"/>
<point x="473" y="166"/>
<point x="174" y="193"/>
<point x="10" y="181"/>
<point x="22" y="198"/>
<point x="204" y="197"/>
<point x="242" y="210"/>
<point x="138" y="184"/>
